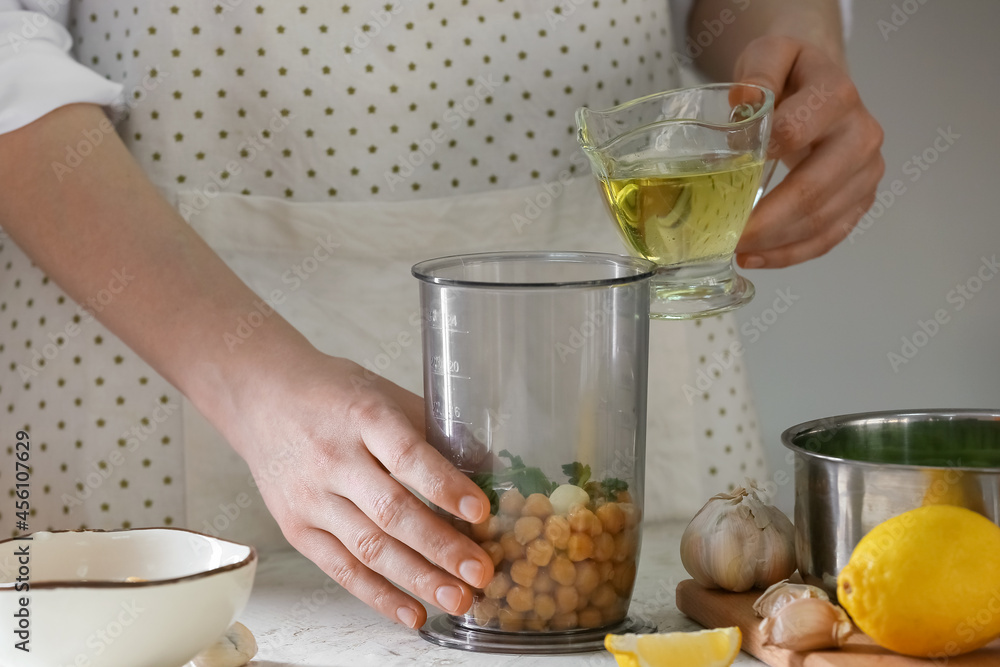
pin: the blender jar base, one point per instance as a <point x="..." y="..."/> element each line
<point x="444" y="630"/>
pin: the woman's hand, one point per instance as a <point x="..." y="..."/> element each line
<point x="829" y="141"/>
<point x="338" y="433"/>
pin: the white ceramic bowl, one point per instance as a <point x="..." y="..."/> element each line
<point x="82" y="612"/>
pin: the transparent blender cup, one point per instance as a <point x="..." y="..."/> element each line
<point x="535" y="386"/>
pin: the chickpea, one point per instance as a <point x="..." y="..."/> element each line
<point x="523" y="572"/>
<point x="507" y="523"/>
<point x="540" y="552"/>
<point x="487" y="530"/>
<point x="567" y="597"/>
<point x="580" y="521"/>
<point x="520" y="599"/>
<point x="511" y="502"/>
<point x="625" y="546"/>
<point x="587" y="577"/>
<point x="603" y="596"/>
<point x="566" y="621"/>
<point x="563" y="571"/>
<point x="536" y="624"/>
<point x="510" y="621"/>
<point x="537" y="505"/>
<point x="591" y="617"/>
<point x="604" y="547"/>
<point x="612" y="517"/>
<point x="557" y="531"/>
<point x="485" y="611"/>
<point x="498" y="586"/>
<point x="545" y="606"/>
<point x="582" y="602"/>
<point x="605" y="570"/>
<point x="512" y="549"/>
<point x="624" y="497"/>
<point x="580" y="547"/>
<point x="527" y="528"/>
<point x="632" y="514"/>
<point x="624" y="578"/>
<point x="543" y="581"/>
<point x="494" y="551"/>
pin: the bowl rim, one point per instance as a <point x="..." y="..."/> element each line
<point x="251" y="558"/>
<point x="992" y="414"/>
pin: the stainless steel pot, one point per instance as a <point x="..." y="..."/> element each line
<point x="853" y="472"/>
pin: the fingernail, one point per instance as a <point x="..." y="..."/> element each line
<point x="448" y="597"/>
<point x="471" y="508"/>
<point x="471" y="571"/>
<point x="753" y="262"/>
<point x="407" y="617"/>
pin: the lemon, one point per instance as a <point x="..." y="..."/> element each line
<point x="706" y="648"/>
<point x="927" y="582"/>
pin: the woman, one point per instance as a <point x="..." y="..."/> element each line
<point x="248" y="229"/>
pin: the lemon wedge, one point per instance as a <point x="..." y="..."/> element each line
<point x="705" y="648"/>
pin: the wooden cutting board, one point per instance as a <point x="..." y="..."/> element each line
<point x="720" y="609"/>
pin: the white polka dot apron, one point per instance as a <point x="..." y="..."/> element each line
<point x="321" y="150"/>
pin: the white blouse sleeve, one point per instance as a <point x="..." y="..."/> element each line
<point x="681" y="9"/>
<point x="37" y="72"/>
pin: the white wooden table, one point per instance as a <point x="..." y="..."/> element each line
<point x="301" y="617"/>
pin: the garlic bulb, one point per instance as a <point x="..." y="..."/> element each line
<point x="783" y="592"/>
<point x="235" y="649"/>
<point x="738" y="542"/>
<point x="807" y="624"/>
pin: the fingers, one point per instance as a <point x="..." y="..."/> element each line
<point x="823" y="131"/>
<point x="411" y="404"/>
<point x="393" y="441"/>
<point x="815" y="104"/>
<point x="810" y="199"/>
<point x="812" y="92"/>
<point x="394" y="560"/>
<point x="767" y="62"/>
<point x="343" y="567"/>
<point x="813" y="247"/>
<point x="394" y="510"/>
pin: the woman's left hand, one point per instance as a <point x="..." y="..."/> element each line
<point x="828" y="139"/>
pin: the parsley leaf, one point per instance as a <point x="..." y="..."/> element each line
<point x="526" y="479"/>
<point x="612" y="486"/>
<point x="578" y="473"/>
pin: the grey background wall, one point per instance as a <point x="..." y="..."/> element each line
<point x="936" y="74"/>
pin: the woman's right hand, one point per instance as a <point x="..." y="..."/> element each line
<point x="342" y="438"/>
<point x="338" y="433"/>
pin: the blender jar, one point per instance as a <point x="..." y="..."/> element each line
<point x="535" y="386"/>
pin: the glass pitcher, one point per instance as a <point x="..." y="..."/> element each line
<point x="680" y="172"/>
<point x="535" y="368"/>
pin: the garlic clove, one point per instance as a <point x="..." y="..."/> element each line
<point x="783" y="592"/>
<point x="567" y="495"/>
<point x="807" y="624"/>
<point x="235" y="649"/>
